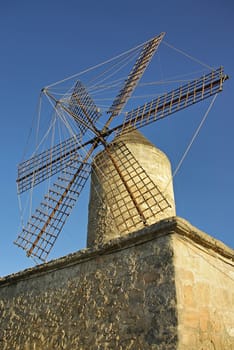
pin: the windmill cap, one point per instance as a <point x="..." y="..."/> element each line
<point x="136" y="137"/>
<point x="133" y="136"/>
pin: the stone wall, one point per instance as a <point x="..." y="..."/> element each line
<point x="119" y="297"/>
<point x="204" y="278"/>
<point x="165" y="287"/>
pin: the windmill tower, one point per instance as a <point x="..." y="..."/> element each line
<point x="139" y="194"/>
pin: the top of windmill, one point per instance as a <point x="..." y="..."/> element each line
<point x="89" y="110"/>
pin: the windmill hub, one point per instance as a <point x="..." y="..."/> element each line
<point x="131" y="188"/>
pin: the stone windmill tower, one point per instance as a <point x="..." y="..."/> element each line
<point x="136" y="196"/>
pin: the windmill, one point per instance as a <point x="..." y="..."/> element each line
<point x="73" y="168"/>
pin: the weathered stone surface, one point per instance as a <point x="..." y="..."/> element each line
<point x="120" y="299"/>
<point x="204" y="285"/>
<point x="166" y="287"/>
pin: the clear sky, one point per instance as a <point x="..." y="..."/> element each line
<point x="45" y="41"/>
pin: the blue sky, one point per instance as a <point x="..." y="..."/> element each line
<point x="45" y="41"/>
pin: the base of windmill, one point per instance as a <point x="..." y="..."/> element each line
<point x="161" y="284"/>
<point x="167" y="286"/>
<point x="131" y="188"/>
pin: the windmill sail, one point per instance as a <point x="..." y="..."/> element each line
<point x="41" y="232"/>
<point x="83" y="107"/>
<point x="44" y="165"/>
<point x="138" y="69"/>
<point x="174" y="101"/>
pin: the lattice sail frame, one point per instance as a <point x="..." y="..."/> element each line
<point x="135" y="75"/>
<point x="44" y="227"/>
<point x="42" y="230"/>
<point x="178" y="99"/>
<point x="48" y="163"/>
<point x="81" y="105"/>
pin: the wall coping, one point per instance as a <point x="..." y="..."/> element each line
<point x="170" y="226"/>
